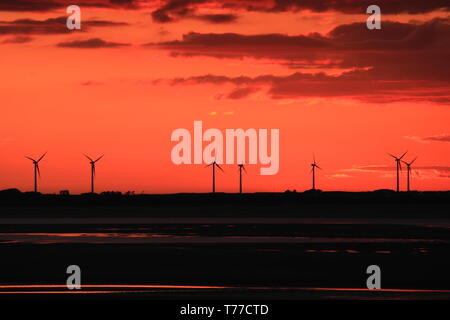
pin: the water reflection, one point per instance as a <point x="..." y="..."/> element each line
<point x="98" y="238"/>
<point x="158" y="290"/>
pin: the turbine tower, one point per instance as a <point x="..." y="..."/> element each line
<point x="241" y="167"/>
<point x="313" y="170"/>
<point x="214" y="165"/>
<point x="36" y="170"/>
<point x="408" y="171"/>
<point x="398" y="160"/>
<point x="93" y="162"/>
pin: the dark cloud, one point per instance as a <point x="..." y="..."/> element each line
<point x="238" y="46"/>
<point x="103" y="23"/>
<point x="441" y="138"/>
<point x="90" y="83"/>
<point x="434" y="34"/>
<point x="171" y="10"/>
<point x="217" y="18"/>
<point x="176" y="10"/>
<point x="51" y="5"/>
<point x="240" y="93"/>
<point x="352" y="84"/>
<point x="360" y="6"/>
<point x="30" y="26"/>
<point x="437" y="138"/>
<point x="233" y="39"/>
<point x="49" y="26"/>
<point x="214" y="79"/>
<point x="401" y="62"/>
<point x="397" y="52"/>
<point x="18" y="39"/>
<point x="439" y="168"/>
<point x="29" y="5"/>
<point x="91" y="44"/>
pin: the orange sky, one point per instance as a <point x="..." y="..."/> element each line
<point x="379" y="92"/>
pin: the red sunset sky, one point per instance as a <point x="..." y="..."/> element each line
<point x="137" y="70"/>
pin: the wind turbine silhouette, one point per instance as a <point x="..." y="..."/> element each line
<point x="398" y="160"/>
<point x="93" y="162"/>
<point x="214" y="165"/>
<point x="37" y="172"/>
<point x="313" y="170"/>
<point x="408" y="170"/>
<point x="241" y="167"/>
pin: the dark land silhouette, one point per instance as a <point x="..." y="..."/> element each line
<point x="311" y="203"/>
<point x="272" y="242"/>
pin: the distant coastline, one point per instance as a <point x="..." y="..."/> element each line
<point x="375" y="204"/>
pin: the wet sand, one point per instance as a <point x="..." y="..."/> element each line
<point x="270" y="266"/>
<point x="273" y="249"/>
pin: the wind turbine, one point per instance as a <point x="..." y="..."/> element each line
<point x="408" y="170"/>
<point x="241" y="167"/>
<point x="313" y="170"/>
<point x="93" y="162"/>
<point x="214" y="165"/>
<point x="36" y="169"/>
<point x="398" y="160"/>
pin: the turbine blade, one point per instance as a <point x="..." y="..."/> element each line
<point x="245" y="170"/>
<point x="219" y="167"/>
<point x="99" y="158"/>
<point x="88" y="157"/>
<point x="38" y="171"/>
<point x="30" y="159"/>
<point x="413" y="161"/>
<point x="403" y="155"/>
<point x="42" y="156"/>
<point x="318" y="167"/>
<point x="392" y="156"/>
<point x="93" y="170"/>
